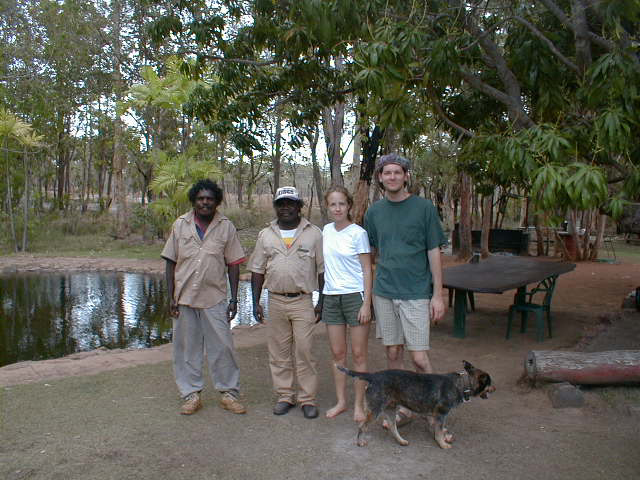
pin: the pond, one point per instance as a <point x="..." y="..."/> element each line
<point x="55" y="314"/>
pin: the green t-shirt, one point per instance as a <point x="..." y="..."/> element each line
<point x="402" y="233"/>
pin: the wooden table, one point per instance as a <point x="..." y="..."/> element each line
<point x="496" y="274"/>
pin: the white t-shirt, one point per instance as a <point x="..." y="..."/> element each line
<point x="342" y="269"/>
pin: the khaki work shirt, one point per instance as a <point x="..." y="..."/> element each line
<point x="289" y="270"/>
<point x="200" y="277"/>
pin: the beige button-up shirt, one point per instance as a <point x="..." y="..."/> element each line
<point x="200" y="275"/>
<point x="289" y="270"/>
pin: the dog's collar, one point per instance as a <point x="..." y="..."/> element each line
<point x="466" y="385"/>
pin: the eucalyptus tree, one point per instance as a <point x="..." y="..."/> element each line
<point x="30" y="142"/>
<point x="51" y="56"/>
<point x="253" y="56"/>
<point x="72" y="47"/>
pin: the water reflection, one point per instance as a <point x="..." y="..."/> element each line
<point x="49" y="315"/>
<point x="52" y="315"/>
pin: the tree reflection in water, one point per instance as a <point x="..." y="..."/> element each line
<point x="55" y="314"/>
<point x="49" y="315"/>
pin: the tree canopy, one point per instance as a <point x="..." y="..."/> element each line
<point x="543" y="93"/>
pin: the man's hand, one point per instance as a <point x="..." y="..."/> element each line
<point x="232" y="309"/>
<point x="173" y="309"/>
<point x="317" y="310"/>
<point x="258" y="313"/>
<point x="436" y="309"/>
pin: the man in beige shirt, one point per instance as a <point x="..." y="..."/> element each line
<point x="287" y="261"/>
<point x="202" y="247"/>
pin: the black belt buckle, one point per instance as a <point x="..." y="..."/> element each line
<point x="290" y="295"/>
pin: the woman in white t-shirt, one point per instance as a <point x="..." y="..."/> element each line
<point x="347" y="295"/>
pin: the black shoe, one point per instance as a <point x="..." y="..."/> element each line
<point x="310" y="411"/>
<point x="282" y="408"/>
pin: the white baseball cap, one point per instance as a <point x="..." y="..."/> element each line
<point x="287" y="192"/>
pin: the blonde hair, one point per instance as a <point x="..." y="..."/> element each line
<point x="345" y="192"/>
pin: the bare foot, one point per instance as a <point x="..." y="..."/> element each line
<point x="359" y="415"/>
<point x="335" y="411"/>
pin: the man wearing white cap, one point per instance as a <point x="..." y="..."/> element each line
<point x="287" y="260"/>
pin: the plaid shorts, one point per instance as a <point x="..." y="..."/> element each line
<point x="402" y="322"/>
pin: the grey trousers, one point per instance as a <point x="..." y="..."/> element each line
<point x="195" y="331"/>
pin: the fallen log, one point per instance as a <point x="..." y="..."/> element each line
<point x="580" y="368"/>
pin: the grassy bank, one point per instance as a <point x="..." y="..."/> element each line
<point x="91" y="235"/>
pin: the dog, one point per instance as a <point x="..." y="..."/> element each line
<point x="426" y="394"/>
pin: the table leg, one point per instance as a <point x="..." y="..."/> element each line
<point x="459" y="313"/>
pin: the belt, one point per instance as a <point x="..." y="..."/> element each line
<point x="290" y="295"/>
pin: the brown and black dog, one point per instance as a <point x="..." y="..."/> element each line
<point x="425" y="394"/>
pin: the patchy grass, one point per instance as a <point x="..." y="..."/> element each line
<point x="83" y="235"/>
<point x="623" y="250"/>
<point x="94" y="245"/>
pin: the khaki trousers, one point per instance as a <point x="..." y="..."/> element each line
<point x="290" y="327"/>
<point x="200" y="330"/>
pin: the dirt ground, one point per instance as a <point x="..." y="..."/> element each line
<point x="114" y="414"/>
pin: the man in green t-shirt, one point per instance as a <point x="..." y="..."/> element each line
<point x="406" y="234"/>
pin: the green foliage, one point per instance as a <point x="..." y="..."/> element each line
<point x="169" y="92"/>
<point x="148" y="222"/>
<point x="535" y="108"/>
<point x="174" y="177"/>
<point x="12" y="128"/>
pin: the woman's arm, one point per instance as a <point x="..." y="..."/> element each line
<point x="364" y="315"/>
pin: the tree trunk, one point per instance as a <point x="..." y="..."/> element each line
<point x="581" y="33"/>
<point x="12" y="224"/>
<point x="487" y="201"/>
<point x="579" y="368"/>
<point x="539" y="236"/>
<point x="239" y="180"/>
<point x="277" y="158"/>
<point x="600" y="228"/>
<point x="464" y="230"/>
<point x="573" y="231"/>
<point x="317" y="177"/>
<point x="61" y="162"/>
<point x="524" y="212"/>
<point x="119" y="157"/>
<point x="354" y="170"/>
<point x="370" y="146"/>
<point x="476" y="221"/>
<point x="586" y="244"/>
<point x="25" y="205"/>
<point x="333" y="123"/>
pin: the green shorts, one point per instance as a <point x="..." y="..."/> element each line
<point x="342" y="309"/>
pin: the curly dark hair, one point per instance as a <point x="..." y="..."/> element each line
<point x="205" y="184"/>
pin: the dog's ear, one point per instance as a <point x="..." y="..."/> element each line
<point x="468" y="367"/>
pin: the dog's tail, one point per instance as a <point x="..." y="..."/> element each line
<point x="362" y="375"/>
